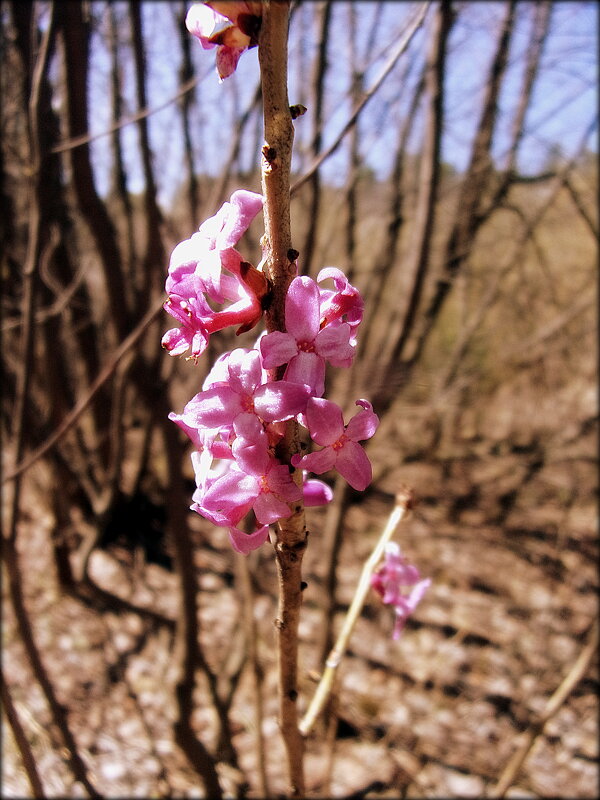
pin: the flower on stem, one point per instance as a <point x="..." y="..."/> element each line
<point x="345" y="302"/>
<point x="392" y="580"/>
<point x="207" y="267"/>
<point x="230" y="25"/>
<point x="246" y="390"/>
<point x="307" y="344"/>
<point x="315" y="492"/>
<point x="254" y="482"/>
<point x="340" y="443"/>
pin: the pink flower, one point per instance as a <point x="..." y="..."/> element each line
<point x="192" y="313"/>
<point x="231" y="25"/>
<point x="345" y="301"/>
<point x="340" y="444"/>
<point x="244" y="542"/>
<point x="394" y="576"/>
<point x="254" y="482"/>
<point x="247" y="391"/>
<point x="315" y="492"/>
<point x="201" y="254"/>
<point x="203" y="438"/>
<point x="307" y="344"/>
<point x="207" y="267"/>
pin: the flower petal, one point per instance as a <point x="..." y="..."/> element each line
<point x="325" y="420"/>
<point x="203" y="22"/>
<point x="232" y="491"/>
<point x="213" y="408"/>
<point x="226" y="61"/>
<point x="363" y="424"/>
<point x="302" y="309"/>
<point x="333" y="343"/>
<point x="244" y="207"/>
<point x="307" y="368"/>
<point x="277" y="348"/>
<point x="319" y="462"/>
<point x="176" y="341"/>
<point x="245" y="370"/>
<point x="246" y="542"/>
<point x="353" y="464"/>
<point x="316" y="493"/>
<point x="269" y="508"/>
<point x="279" y="400"/>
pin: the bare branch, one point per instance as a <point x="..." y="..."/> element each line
<point x="403" y="44"/>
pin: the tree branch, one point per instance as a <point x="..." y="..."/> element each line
<point x="280" y="268"/>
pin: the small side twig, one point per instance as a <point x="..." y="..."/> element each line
<point x="21" y="741"/>
<point x="251" y="631"/>
<point x="536" y="729"/>
<point x="404" y="501"/>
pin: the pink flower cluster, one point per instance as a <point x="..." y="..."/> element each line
<point x="399" y="584"/>
<point x="238" y="417"/>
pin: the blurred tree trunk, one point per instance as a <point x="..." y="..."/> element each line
<point x="469" y="214"/>
<point x="384" y="278"/>
<point x="119" y="175"/>
<point x="357" y="71"/>
<point x="75" y="30"/>
<point x="186" y="73"/>
<point x="322" y="24"/>
<point x="150" y="277"/>
<point x="423" y="222"/>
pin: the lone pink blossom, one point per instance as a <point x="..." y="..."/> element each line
<point x="307" y="345"/>
<point x="340" y="444"/>
<point x="392" y="579"/>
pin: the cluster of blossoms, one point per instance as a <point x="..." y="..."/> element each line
<point x="238" y="418"/>
<point x="399" y="584"/>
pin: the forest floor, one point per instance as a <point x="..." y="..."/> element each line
<point x="508" y="535"/>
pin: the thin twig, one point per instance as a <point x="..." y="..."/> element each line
<point x="81" y="406"/>
<point x="553" y="705"/>
<point x="399" y="512"/>
<point x="21" y="741"/>
<point x="256" y="672"/>
<point x="386" y="69"/>
<point x="86" y="138"/>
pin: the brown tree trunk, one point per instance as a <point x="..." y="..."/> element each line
<point x="76" y="34"/>
<point x="316" y="103"/>
<point x="418" y="256"/>
<point x="468" y="215"/>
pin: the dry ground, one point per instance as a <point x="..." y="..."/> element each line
<point x="508" y="534"/>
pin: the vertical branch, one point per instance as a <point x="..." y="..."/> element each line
<point x="186" y="73"/>
<point x="76" y="39"/>
<point x="35" y="253"/>
<point x="403" y="504"/>
<point x="251" y="634"/>
<point x="20" y="737"/>
<point x="280" y="269"/>
<point x="468" y="216"/>
<point x="384" y="278"/>
<point x="428" y="185"/>
<point x="187" y="644"/>
<point x="320" y="67"/>
<point x="154" y="255"/>
<point x="119" y="175"/>
<point x="350" y="191"/>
